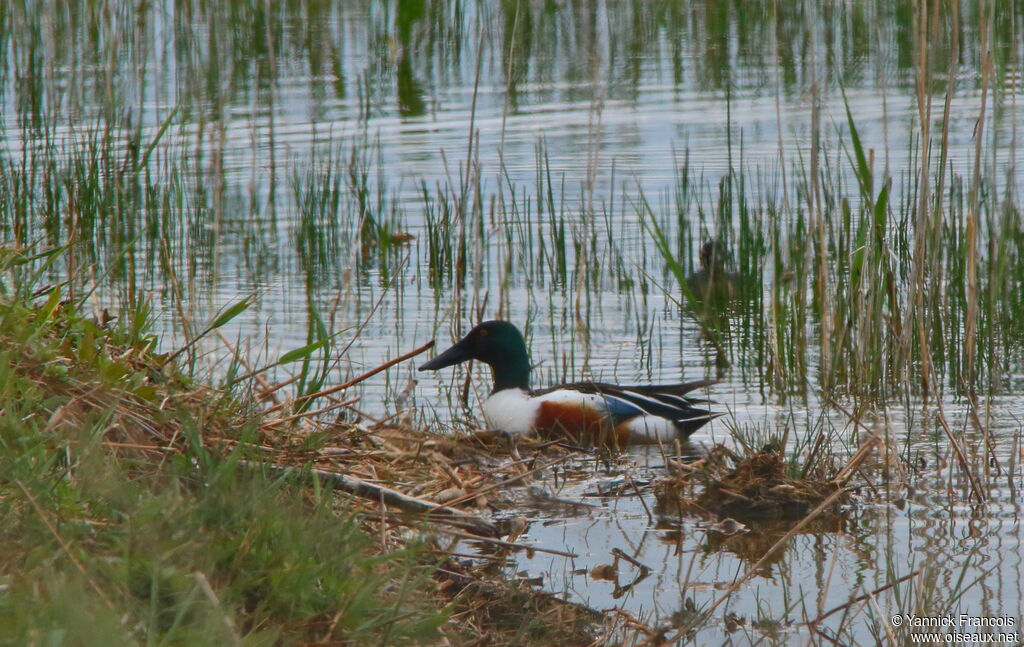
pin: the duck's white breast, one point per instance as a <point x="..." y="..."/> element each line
<point x="511" y="411"/>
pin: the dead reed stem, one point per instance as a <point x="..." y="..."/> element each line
<point x="356" y="380"/>
<point x="974" y="203"/>
<point x="384" y="495"/>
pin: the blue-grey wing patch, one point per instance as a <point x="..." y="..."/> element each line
<point x="620" y="407"/>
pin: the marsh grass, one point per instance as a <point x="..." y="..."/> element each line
<point x="833" y="285"/>
<point x="881" y="325"/>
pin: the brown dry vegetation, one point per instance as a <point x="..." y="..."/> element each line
<point x="757" y="488"/>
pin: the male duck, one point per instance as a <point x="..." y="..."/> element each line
<point x="589" y="412"/>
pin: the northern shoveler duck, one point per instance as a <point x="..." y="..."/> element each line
<point x="713" y="282"/>
<point x="587" y="412"/>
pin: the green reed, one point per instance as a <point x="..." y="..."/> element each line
<point x="903" y="295"/>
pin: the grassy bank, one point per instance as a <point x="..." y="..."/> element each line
<point x="126" y="524"/>
<point x="130" y="518"/>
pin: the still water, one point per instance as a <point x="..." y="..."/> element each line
<point x="399" y="170"/>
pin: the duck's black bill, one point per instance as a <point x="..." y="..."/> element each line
<point x="457" y="354"/>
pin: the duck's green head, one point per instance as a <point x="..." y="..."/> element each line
<point x="498" y="344"/>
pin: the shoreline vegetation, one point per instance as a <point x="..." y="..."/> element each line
<point x="146" y="507"/>
<point x="157" y="509"/>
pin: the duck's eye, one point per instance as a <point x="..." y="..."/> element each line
<point x="483" y="332"/>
